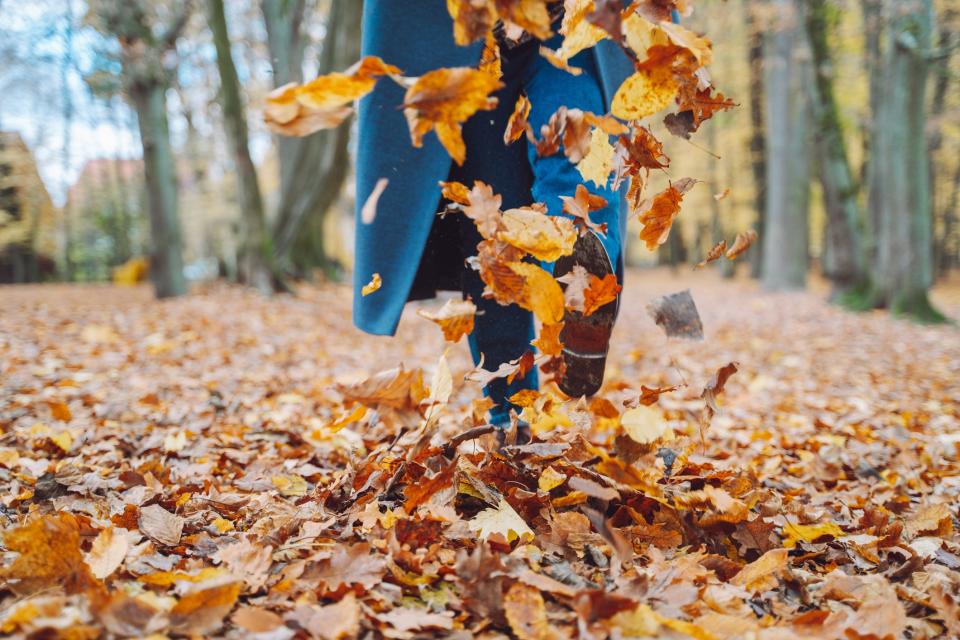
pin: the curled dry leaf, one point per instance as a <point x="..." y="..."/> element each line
<point x="455" y="192"/>
<point x="713" y="255"/>
<point x="723" y="195"/>
<point x="658" y="218"/>
<point x="531" y="230"/>
<point x="557" y="59"/>
<point x="575" y="284"/>
<point x="374" y="285"/>
<point x="548" y="342"/>
<point x="651" y="395"/>
<point x="716" y="384"/>
<point x="455" y="318"/>
<point x="518" y="123"/>
<point x="741" y="244"/>
<point x="493" y="261"/>
<point x="444" y="99"/>
<point x="397" y="388"/>
<point x="299" y="110"/>
<point x="204" y="607"/>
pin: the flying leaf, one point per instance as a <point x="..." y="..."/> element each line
<point x="677" y="315"/>
<point x="644" y="93"/>
<point x="493" y="261"/>
<point x="397" y="388"/>
<point x="598" y="163"/>
<point x="299" y="110"/>
<point x="502" y="520"/>
<point x="518" y="124"/>
<point x="541" y="293"/>
<point x="714" y="254"/>
<point x="663" y="210"/>
<point x="548" y="342"/>
<point x="580" y="205"/>
<point x="455" y="318"/>
<point x="472" y="20"/>
<point x="531" y="230"/>
<point x="442" y="100"/>
<point x="557" y="59"/>
<point x="374" y="285"/>
<point x="575" y="284"/>
<point x="651" y="395"/>
<point x="483" y="208"/>
<point x="742" y="243"/>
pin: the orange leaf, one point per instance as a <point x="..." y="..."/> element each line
<point x="548" y="342"/>
<point x="374" y="285"/>
<point x="442" y="100"/>
<point x="714" y="254"/>
<point x="600" y="292"/>
<point x="518" y="124"/>
<point x="658" y="218"/>
<point x="50" y="558"/>
<point x="455" y="318"/>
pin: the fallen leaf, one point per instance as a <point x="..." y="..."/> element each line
<point x="49" y="558"/>
<point x="762" y="574"/>
<point x="794" y="533"/>
<point x="160" y="525"/>
<point x="526" y="612"/>
<point x="645" y="425"/>
<point x="107" y="552"/>
<point x="501" y="520"/>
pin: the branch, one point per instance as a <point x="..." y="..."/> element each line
<point x="169" y="36"/>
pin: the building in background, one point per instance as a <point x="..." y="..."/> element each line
<point x="28" y="220"/>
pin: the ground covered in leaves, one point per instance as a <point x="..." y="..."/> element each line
<point x="227" y="465"/>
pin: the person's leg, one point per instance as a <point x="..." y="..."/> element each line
<point x="501" y="333"/>
<point x="586" y="339"/>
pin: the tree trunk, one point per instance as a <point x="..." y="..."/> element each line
<point x="318" y="165"/>
<point x="899" y="167"/>
<point x="843" y="261"/>
<point x="68" y="111"/>
<point x="757" y="136"/>
<point x="786" y="234"/>
<point x="937" y="107"/>
<point x="166" y="260"/>
<point x="256" y="253"/>
<point x="872" y="27"/>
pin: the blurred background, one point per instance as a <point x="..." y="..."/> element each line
<point x="131" y="134"/>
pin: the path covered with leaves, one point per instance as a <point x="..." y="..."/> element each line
<point x="228" y="465"/>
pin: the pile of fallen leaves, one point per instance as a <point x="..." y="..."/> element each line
<point x="228" y="465"/>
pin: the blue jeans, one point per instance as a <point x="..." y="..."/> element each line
<point x="503" y="333"/>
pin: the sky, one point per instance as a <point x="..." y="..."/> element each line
<point x="34" y="83"/>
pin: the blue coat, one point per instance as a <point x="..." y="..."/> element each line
<point x="416" y="36"/>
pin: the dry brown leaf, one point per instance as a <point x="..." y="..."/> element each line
<point x="49" y="558"/>
<point x="397" y="388"/>
<point x="742" y="243"/>
<point x="107" y="552"/>
<point x="580" y="205"/>
<point x="526" y="612"/>
<point x="204" y="607"/>
<point x="160" y="525"/>
<point x="714" y="254"/>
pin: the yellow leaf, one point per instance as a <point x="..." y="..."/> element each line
<point x="290" y="485"/>
<point x="761" y="574"/>
<point x="222" y="525"/>
<point x="550" y="479"/>
<point x="640" y="622"/>
<point x="644" y="93"/>
<point x="793" y="533"/>
<point x="541" y="294"/>
<point x="544" y="237"/>
<point x="63" y="440"/>
<point x="175" y="442"/>
<point x="598" y="163"/>
<point x="374" y="285"/>
<point x="501" y="520"/>
<point x="645" y="425"/>
<point x="526" y="612"/>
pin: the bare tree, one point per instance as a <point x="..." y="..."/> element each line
<point x="312" y="169"/>
<point x="147" y="46"/>
<point x="843" y="258"/>
<point x="899" y="170"/>
<point x="786" y="69"/>
<point x="256" y="253"/>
